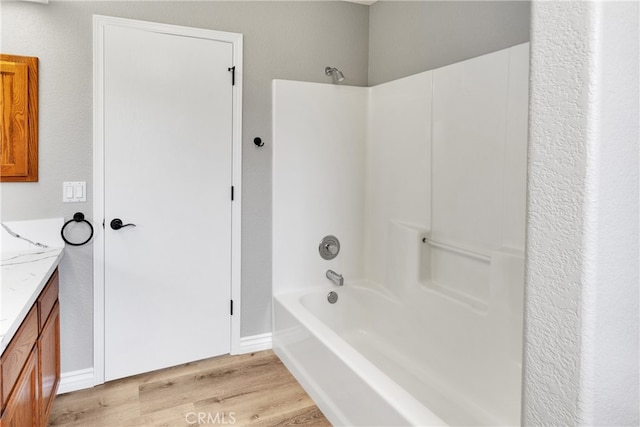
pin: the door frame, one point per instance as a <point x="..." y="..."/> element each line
<point x="236" y="40"/>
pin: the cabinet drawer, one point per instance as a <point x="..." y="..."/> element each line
<point x="47" y="299"/>
<point x="17" y="353"/>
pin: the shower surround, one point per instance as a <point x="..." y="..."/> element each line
<point x="423" y="180"/>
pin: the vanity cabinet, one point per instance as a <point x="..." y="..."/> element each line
<point x="30" y="365"/>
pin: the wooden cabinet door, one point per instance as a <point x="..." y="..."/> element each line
<point x="22" y="408"/>
<point x="49" y="359"/>
<point x="16" y="355"/>
<point x="18" y="118"/>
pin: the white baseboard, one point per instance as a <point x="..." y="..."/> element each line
<point x="76" y="380"/>
<point x="255" y="343"/>
<point x="83" y="378"/>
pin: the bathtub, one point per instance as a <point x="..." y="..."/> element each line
<point x="370" y="359"/>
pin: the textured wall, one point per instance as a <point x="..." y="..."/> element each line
<point x="581" y="297"/>
<point x="408" y="37"/>
<point x="291" y="40"/>
<point x="557" y="154"/>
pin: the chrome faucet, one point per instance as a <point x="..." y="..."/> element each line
<point x="335" y="277"/>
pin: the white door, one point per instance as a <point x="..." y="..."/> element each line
<point x="167" y="122"/>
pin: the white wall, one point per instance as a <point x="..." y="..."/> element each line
<point x="611" y="357"/>
<point x="581" y="319"/>
<point x="319" y="134"/>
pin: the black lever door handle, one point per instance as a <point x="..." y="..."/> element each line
<point x="117" y="224"/>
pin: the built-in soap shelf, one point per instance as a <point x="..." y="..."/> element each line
<point x="457" y="271"/>
<point x="478" y="278"/>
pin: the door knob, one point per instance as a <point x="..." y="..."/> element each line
<point x="117" y="224"/>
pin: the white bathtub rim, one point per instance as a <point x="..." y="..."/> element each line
<point x="414" y="411"/>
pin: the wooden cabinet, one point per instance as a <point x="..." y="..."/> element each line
<point x="18" y="118"/>
<point x="30" y="365"/>
<point x="17" y="352"/>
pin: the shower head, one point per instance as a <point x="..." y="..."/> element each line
<point x="335" y="73"/>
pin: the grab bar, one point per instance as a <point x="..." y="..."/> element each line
<point x="483" y="256"/>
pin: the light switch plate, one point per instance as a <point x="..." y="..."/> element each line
<point x="75" y="191"/>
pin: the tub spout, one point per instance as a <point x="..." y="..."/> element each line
<point x="335" y="277"/>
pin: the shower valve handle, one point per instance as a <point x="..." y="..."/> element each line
<point x="331" y="248"/>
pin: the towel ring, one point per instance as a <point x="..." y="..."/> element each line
<point x="77" y="217"/>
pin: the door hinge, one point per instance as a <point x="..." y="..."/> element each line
<point x="233" y="75"/>
<point x="231" y="307"/>
<point x="232" y="193"/>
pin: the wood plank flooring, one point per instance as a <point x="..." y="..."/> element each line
<point x="247" y="390"/>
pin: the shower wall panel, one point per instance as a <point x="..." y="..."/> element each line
<point x="446" y="162"/>
<point x="398" y="166"/>
<point x="469" y="122"/>
<point x="478" y="169"/>
<point x="442" y="153"/>
<point x="319" y="134"/>
<point x="515" y="149"/>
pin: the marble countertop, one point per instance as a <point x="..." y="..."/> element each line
<point x="30" y="251"/>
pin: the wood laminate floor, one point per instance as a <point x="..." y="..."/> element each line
<point x="252" y="389"/>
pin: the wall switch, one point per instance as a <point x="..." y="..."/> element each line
<point x="73" y="192"/>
